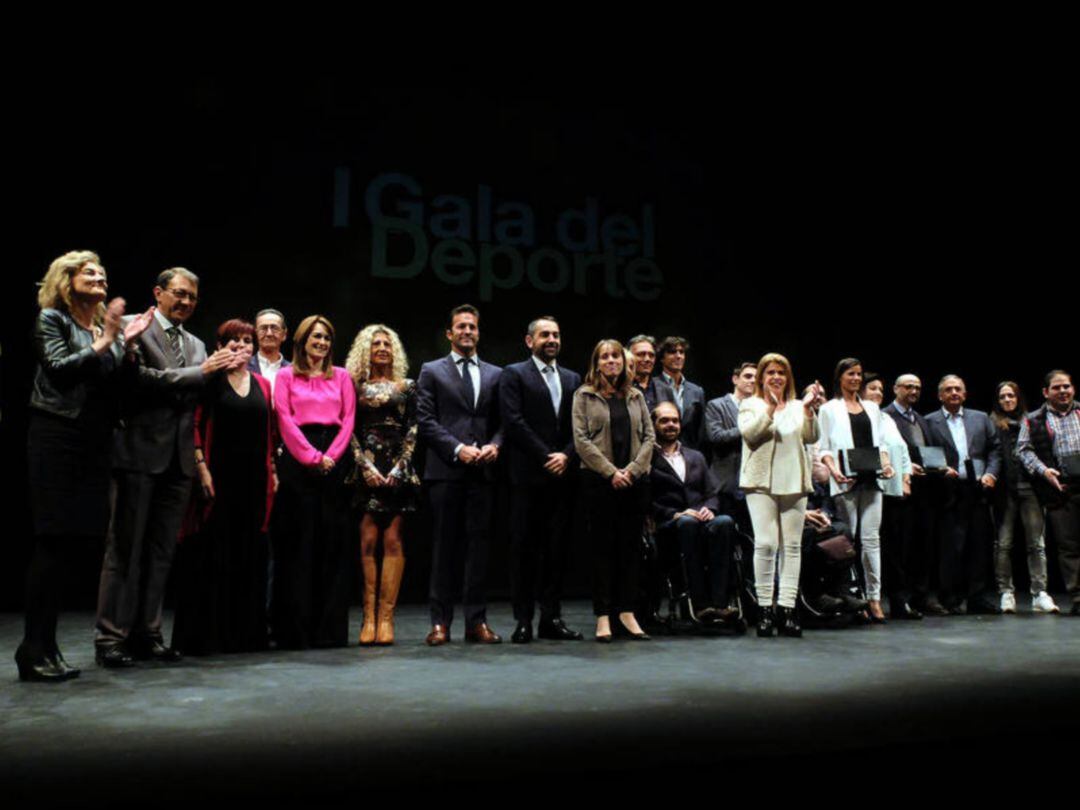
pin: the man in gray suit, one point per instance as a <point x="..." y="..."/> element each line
<point x="723" y="440"/>
<point x="965" y="523"/>
<point x="153" y="467"/>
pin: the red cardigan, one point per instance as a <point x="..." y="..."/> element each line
<point x="204" y="440"/>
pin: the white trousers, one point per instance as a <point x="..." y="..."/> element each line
<point x="778" y="525"/>
<point x="861" y="510"/>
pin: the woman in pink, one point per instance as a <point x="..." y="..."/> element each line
<point x="312" y="528"/>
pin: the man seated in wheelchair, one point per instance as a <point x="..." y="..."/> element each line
<point x="685" y="503"/>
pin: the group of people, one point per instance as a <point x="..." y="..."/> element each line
<point x="257" y="472"/>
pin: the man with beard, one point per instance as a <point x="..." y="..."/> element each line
<point x="536" y="397"/>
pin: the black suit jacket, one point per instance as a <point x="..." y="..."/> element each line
<point x="158" y="411"/>
<point x="445" y="419"/>
<point x="983" y="440"/>
<point x="905" y="428"/>
<point x="670" y="495"/>
<point x="693" y="410"/>
<point x="529" y="423"/>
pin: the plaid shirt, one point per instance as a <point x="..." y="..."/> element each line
<point x="1065" y="431"/>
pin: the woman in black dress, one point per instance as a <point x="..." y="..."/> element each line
<point x="221" y="599"/>
<point x="80" y="346"/>
<point x="387" y="485"/>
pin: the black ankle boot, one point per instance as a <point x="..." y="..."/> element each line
<point x="789" y="623"/>
<point x="37" y="668"/>
<point x="766" y="626"/>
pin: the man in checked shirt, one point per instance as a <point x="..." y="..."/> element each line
<point x="1049" y="448"/>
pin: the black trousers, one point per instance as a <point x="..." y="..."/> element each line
<point x="615" y="519"/>
<point x="540" y="536"/>
<point x="907" y="546"/>
<point x="461" y="534"/>
<point x="147" y="511"/>
<point x="706" y="553"/>
<point x="965" y="548"/>
<point x="1064" y="523"/>
<point x="44" y="586"/>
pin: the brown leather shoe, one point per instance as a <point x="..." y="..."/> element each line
<point x="482" y="634"/>
<point x="439" y="635"/>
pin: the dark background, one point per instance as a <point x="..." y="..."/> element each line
<point x="913" y="222"/>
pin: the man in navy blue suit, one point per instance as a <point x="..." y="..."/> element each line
<point x="536" y="398"/>
<point x="458" y="417"/>
<point x="672" y="386"/>
<point x="965" y="523"/>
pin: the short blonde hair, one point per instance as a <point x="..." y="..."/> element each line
<point x="780" y="360"/>
<point x="55" y="286"/>
<point x="300" y="339"/>
<point x="358" y="363"/>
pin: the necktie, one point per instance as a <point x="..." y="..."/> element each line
<point x="552" y="384"/>
<point x="177" y="344"/>
<point x="466" y="381"/>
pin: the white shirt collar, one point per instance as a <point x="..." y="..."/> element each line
<point x="541" y="365"/>
<point x="959" y="414"/>
<point x="459" y="357"/>
<point x="165" y="323"/>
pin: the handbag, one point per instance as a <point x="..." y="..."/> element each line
<point x="837" y="549"/>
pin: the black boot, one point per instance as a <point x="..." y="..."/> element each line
<point x="766" y="626"/>
<point x="789" y="623"/>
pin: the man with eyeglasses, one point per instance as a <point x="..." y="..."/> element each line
<point x="908" y="548"/>
<point x="270" y="332"/>
<point x="153" y="469"/>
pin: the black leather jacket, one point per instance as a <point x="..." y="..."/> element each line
<point x="69" y="372"/>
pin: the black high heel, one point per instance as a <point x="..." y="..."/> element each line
<point x="789" y="623"/>
<point x="57" y="660"/>
<point x="40" y="670"/>
<point x="622" y="631"/>
<point x="766" y="626"/>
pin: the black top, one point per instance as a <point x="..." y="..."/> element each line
<point x="620" y="432"/>
<point x="861" y="431"/>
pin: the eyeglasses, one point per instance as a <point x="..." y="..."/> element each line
<point x="182" y="295"/>
<point x="268" y="327"/>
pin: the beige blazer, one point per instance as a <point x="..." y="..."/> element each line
<point x="774" y="459"/>
<point x="592" y="432"/>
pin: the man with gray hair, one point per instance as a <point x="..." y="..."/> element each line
<point x="270" y="333"/>
<point x="153" y="468"/>
<point x="965" y="523"/>
<point x="643" y="349"/>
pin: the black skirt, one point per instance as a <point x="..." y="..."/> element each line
<point x="69" y="462"/>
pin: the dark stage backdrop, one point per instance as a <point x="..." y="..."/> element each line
<point x="911" y="231"/>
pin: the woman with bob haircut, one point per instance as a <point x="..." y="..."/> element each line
<point x="1017" y="496"/>
<point x="776" y="477"/>
<point x="387" y="486"/>
<point x="221" y="597"/>
<point x="848" y="421"/>
<point x="614" y="437"/>
<point x="311" y="528"/>
<point x="79" y="344"/>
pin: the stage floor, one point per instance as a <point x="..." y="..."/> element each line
<point x="350" y="721"/>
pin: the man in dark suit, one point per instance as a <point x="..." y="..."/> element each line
<point x="457" y="413"/>
<point x="153" y="468"/>
<point x="724" y="441"/>
<point x="965" y="522"/>
<point x="908" y="523"/>
<point x="643" y="349"/>
<point x="270" y="332"/>
<point x="685" y="503"/>
<point x="536" y="398"/>
<point x="673" y="386"/>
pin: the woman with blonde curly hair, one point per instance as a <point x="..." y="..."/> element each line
<point x="387" y="485"/>
<point x="80" y="346"/>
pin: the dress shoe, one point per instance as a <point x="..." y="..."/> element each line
<point x="114" y="657"/>
<point x="38" y="669"/>
<point x="902" y="610"/>
<point x="873" y="609"/>
<point x="56" y="658"/>
<point x="155" y="650"/>
<point x="827" y="603"/>
<point x="934" y="608"/>
<point x="439" y="635"/>
<point x="789" y="622"/>
<point x="604" y="639"/>
<point x="556" y="630"/>
<point x="766" y="626"/>
<point x="482" y="634"/>
<point x="622" y="631"/>
<point x="852" y="604"/>
<point x="522" y="633"/>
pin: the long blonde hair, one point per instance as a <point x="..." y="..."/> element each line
<point x="625" y="380"/>
<point x="358" y="363"/>
<point x="55" y="287"/>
